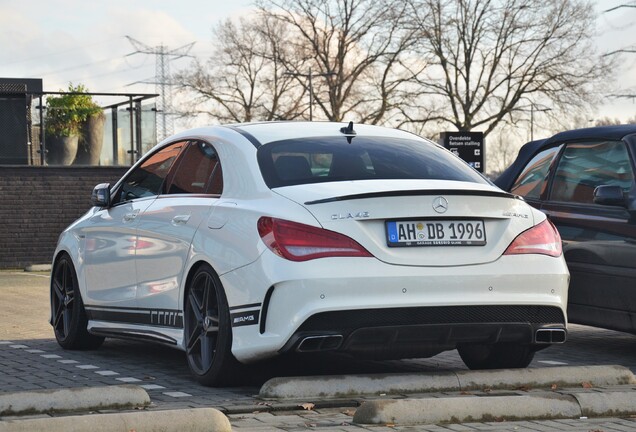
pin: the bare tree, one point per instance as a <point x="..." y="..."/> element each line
<point x="502" y="148"/>
<point x="491" y="61"/>
<point x="357" y="50"/>
<point x="607" y="121"/>
<point x="244" y="80"/>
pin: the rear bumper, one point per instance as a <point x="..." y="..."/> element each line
<point x="394" y="333"/>
<point x="380" y="309"/>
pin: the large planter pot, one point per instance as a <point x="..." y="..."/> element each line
<point x="91" y="140"/>
<point x="61" y="150"/>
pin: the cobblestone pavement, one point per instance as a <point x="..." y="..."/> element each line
<point x="31" y="359"/>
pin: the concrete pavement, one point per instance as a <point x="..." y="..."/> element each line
<point x="30" y="359"/>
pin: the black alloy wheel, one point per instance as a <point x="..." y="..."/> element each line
<point x="208" y="334"/>
<point x="68" y="316"/>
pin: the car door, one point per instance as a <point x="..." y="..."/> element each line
<point x="599" y="241"/>
<point x="168" y="225"/>
<point x="111" y="237"/>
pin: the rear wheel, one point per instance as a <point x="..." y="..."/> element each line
<point x="496" y="356"/>
<point x="208" y="334"/>
<point x="68" y="316"/>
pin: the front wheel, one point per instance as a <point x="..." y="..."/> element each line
<point x="208" y="333"/>
<point x="68" y="316"/>
<point x="496" y="356"/>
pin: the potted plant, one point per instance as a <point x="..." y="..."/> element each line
<point x="91" y="139"/>
<point x="66" y="115"/>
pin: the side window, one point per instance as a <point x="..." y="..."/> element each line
<point x="198" y="172"/>
<point x="148" y="178"/>
<point x="584" y="166"/>
<point x="532" y="181"/>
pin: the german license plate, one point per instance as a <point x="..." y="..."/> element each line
<point x="444" y="232"/>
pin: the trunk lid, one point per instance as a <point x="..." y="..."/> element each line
<point x="362" y="209"/>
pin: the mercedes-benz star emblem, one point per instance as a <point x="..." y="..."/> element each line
<point x="440" y="204"/>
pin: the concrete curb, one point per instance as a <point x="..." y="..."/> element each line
<point x="466" y="409"/>
<point x="484" y="409"/>
<point x="338" y="386"/>
<point x="192" y="420"/>
<point x="606" y="404"/>
<point x="73" y="399"/>
<point x="562" y="376"/>
<point x="38" y="268"/>
<point x="341" y="386"/>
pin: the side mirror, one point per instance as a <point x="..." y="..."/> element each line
<point x="101" y="195"/>
<point x="609" y="195"/>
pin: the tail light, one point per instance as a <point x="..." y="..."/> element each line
<point x="299" y="242"/>
<point x="541" y="239"/>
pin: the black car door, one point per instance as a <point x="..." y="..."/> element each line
<point x="599" y="240"/>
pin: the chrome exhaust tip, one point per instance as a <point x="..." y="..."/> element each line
<point x="550" y="336"/>
<point x="320" y="343"/>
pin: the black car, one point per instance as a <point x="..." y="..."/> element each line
<point x="584" y="181"/>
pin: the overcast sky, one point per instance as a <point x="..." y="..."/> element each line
<point x="81" y="41"/>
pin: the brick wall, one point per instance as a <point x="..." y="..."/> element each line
<point x="37" y="203"/>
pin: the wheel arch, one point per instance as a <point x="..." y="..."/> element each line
<point x="58" y="254"/>
<point x="196" y="265"/>
<point x="74" y="254"/>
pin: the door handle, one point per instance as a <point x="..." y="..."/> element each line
<point x="128" y="217"/>
<point x="180" y="219"/>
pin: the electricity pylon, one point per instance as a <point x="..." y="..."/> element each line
<point x="163" y="81"/>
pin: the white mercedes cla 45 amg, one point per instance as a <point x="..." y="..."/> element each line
<point x="242" y="242"/>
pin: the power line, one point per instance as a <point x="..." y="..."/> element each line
<point x="163" y="81"/>
<point x="620" y="6"/>
<point x="115" y="72"/>
<point x="95" y="63"/>
<point x="27" y="59"/>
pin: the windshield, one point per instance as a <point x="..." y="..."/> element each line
<point x="330" y="159"/>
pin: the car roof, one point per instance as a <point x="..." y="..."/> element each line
<point x="266" y="132"/>
<point x="260" y="133"/>
<point x="528" y="150"/>
<point x="615" y="132"/>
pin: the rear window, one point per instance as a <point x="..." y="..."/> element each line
<point x="330" y="159"/>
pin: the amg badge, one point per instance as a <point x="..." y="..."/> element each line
<point x="244" y="318"/>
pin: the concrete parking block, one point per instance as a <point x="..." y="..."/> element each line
<point x="562" y="376"/>
<point x="337" y="386"/>
<point x="615" y="404"/>
<point x="73" y="399"/>
<point x="463" y="409"/>
<point x="466" y="409"/>
<point x="191" y="420"/>
<point x="38" y="268"/>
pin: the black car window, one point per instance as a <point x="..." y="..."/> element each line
<point x="198" y="171"/>
<point x="532" y="181"/>
<point x="329" y="159"/>
<point x="148" y="178"/>
<point x="584" y="166"/>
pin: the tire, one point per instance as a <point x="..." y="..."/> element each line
<point x="68" y="316"/>
<point x="496" y="356"/>
<point x="207" y="330"/>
